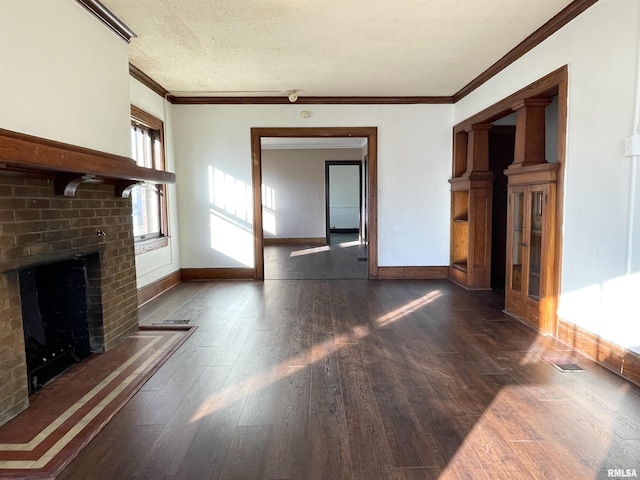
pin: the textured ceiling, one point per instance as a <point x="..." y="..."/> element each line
<point x="324" y="48"/>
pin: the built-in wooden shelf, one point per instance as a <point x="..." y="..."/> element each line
<point x="71" y="165"/>
<point x="462" y="266"/>
<point x="461" y="219"/>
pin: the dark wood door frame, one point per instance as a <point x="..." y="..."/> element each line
<point x="370" y="133"/>
<point x="327" y="190"/>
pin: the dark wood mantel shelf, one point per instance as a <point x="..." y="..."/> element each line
<point x="71" y="165"/>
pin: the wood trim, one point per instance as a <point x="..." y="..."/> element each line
<point x="539" y="174"/>
<point x="548" y="85"/>
<point x="112" y="22"/>
<point x="204" y="100"/>
<point x="19" y="151"/>
<point x="152" y="290"/>
<point x="563" y="102"/>
<point x="199" y="274"/>
<point x="371" y="133"/>
<point x="256" y="182"/>
<point x="413" y="273"/>
<point x="570" y="12"/>
<point x="148" y="82"/>
<point x="315" y="241"/>
<point x="611" y="356"/>
<point x="372" y="204"/>
<point x="146" y="119"/>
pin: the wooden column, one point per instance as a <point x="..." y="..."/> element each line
<point x="478" y="148"/>
<point x="459" y="154"/>
<point x="530" y="132"/>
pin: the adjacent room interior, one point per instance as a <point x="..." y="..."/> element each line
<point x="313" y="208"/>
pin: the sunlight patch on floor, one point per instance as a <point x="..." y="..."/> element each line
<point x="407" y="308"/>
<point x="263" y="379"/>
<point x="310" y="251"/>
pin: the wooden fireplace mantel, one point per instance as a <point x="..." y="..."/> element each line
<point x="71" y="165"/>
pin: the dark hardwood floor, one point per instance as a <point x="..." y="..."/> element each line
<point x="343" y="258"/>
<point x="358" y="379"/>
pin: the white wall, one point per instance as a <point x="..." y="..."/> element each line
<point x="153" y="265"/>
<point x="598" y="291"/>
<point x="295" y="181"/>
<point x="63" y="75"/>
<point x="414" y="163"/>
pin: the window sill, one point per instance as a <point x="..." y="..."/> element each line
<point x="145" y="246"/>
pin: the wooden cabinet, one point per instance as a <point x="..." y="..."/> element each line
<point x="530" y="276"/>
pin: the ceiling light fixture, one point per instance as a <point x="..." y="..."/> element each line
<point x="293" y="96"/>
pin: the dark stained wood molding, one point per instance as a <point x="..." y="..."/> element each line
<point x="312" y="241"/>
<point x="146" y="119"/>
<point x="320" y="132"/>
<point x="204" y="274"/>
<point x="412" y="273"/>
<point x="148" y="82"/>
<point x="570" y="12"/>
<point x="548" y="85"/>
<point x="370" y="133"/>
<point x="72" y="165"/>
<point x="611" y="356"/>
<point x="103" y="14"/>
<point x="203" y="100"/>
<point x="152" y="290"/>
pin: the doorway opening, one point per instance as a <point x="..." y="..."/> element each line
<point x="344" y="204"/>
<point x="283" y="212"/>
<point x="502" y="137"/>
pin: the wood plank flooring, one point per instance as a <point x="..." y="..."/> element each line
<point x="358" y="379"/>
<point x="343" y="258"/>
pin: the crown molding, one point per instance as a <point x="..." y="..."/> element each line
<point x="204" y="100"/>
<point x="570" y="12"/>
<point x="147" y="81"/>
<point x="103" y="14"/>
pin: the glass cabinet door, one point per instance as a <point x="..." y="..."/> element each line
<point x="517" y="242"/>
<point x="535" y="244"/>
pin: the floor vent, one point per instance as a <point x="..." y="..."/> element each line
<point x="565" y="364"/>
<point x="172" y="322"/>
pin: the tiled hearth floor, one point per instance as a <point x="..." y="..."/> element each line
<point x="68" y="412"/>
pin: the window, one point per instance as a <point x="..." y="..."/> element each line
<point x="148" y="200"/>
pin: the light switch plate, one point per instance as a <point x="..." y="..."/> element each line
<point x="632" y="146"/>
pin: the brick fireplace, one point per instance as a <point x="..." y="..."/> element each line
<point x="38" y="227"/>
<point x="66" y="205"/>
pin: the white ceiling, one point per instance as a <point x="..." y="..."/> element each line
<point x="324" y="47"/>
<point x="278" y="143"/>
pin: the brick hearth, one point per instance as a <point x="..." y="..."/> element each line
<point x="38" y="227"/>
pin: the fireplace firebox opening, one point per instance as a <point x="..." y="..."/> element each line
<point x="57" y="312"/>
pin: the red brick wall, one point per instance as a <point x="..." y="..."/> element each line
<point x="38" y="227"/>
